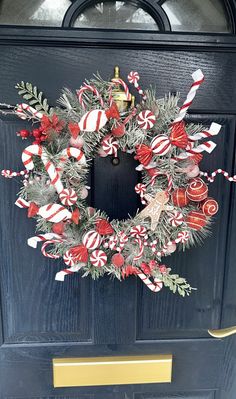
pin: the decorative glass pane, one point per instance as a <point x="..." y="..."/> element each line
<point x="197" y="15"/>
<point x="115" y="15"/>
<point x="33" y="12"/>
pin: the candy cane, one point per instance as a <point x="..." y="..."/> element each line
<point x="123" y="239"/>
<point x="212" y="131"/>
<point x="211" y="177"/>
<point x="133" y="78"/>
<point x="118" y="81"/>
<point x="33" y="241"/>
<point x="93" y="89"/>
<point x="198" y="78"/>
<point x="169" y="179"/>
<point x="9" y="174"/>
<point x="22" y="203"/>
<point x="209" y="146"/>
<point x="155" y="286"/>
<point x="53" y="173"/>
<point x="141" y="190"/>
<point x="139" y="233"/>
<point x="60" y="276"/>
<point x="44" y="246"/>
<point x="22" y="110"/>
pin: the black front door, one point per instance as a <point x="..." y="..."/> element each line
<point x="44" y="319"/>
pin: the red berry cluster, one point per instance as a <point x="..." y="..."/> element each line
<point x="38" y="134"/>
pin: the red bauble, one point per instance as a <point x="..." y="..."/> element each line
<point x="197" y="190"/>
<point x="118" y="260"/>
<point x="58" y="228"/>
<point x="196" y="220"/>
<point x="75" y="216"/>
<point x="74" y="129"/>
<point x="103" y="227"/>
<point x="118" y="131"/>
<point x="24" y="134"/>
<point x="209" y="206"/>
<point x="179" y="197"/>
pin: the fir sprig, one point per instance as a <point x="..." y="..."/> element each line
<point x="35" y="98"/>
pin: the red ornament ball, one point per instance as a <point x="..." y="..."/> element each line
<point x="118" y="260"/>
<point x="197" y="190"/>
<point x="196" y="220"/>
<point x="209" y="206"/>
<point x="179" y="197"/>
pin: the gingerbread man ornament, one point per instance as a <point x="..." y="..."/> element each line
<point x="154" y="208"/>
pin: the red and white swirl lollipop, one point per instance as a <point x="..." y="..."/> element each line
<point x="68" y="197"/>
<point x="110" y="145"/>
<point x="146" y="119"/>
<point x="98" y="258"/>
<point x="176" y="219"/>
<point x="92" y="239"/>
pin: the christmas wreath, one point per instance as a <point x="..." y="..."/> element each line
<point x="97" y="121"/>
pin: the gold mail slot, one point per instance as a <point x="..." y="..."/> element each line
<point x="78" y="372"/>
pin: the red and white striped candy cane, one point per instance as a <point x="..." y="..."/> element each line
<point x="60" y="276"/>
<point x="141" y="189"/>
<point x="133" y="78"/>
<point x="83" y="89"/>
<point x="155" y="286"/>
<point x="44" y="247"/>
<point x="169" y="179"/>
<point x="139" y="233"/>
<point x="9" y="174"/>
<point x="25" y="110"/>
<point x="123" y="239"/>
<point x="198" y="78"/>
<point x="33" y="241"/>
<point x="211" y="176"/>
<point x="118" y="81"/>
<point x="212" y="131"/>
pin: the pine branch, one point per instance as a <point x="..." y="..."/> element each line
<point x="35" y="99"/>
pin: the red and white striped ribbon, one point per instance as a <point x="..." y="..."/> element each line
<point x="198" y="78"/>
<point x="9" y="174"/>
<point x="211" y="176"/>
<point x="60" y="276"/>
<point x="33" y="241"/>
<point x="133" y="78"/>
<point x="83" y="89"/>
<point x="155" y="286"/>
<point x="25" y="110"/>
<point x="22" y="203"/>
<point x="212" y="131"/>
<point x="209" y="146"/>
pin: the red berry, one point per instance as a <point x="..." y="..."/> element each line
<point x="145" y="268"/>
<point x="43" y="138"/>
<point x="163" y="269"/>
<point x="37" y="133"/>
<point x="24" y="134"/>
<point x="118" y="260"/>
<point x="152" y="264"/>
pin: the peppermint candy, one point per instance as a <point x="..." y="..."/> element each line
<point x="68" y="197"/>
<point x="161" y="144"/>
<point x="92" y="239"/>
<point x="138" y="231"/>
<point x="110" y="145"/>
<point x="176" y="219"/>
<point x="69" y="259"/>
<point x="98" y="258"/>
<point x="146" y="119"/>
<point x="183" y="237"/>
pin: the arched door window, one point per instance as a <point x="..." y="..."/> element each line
<point x="209" y="16"/>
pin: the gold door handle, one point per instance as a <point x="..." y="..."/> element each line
<point x="223" y="333"/>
